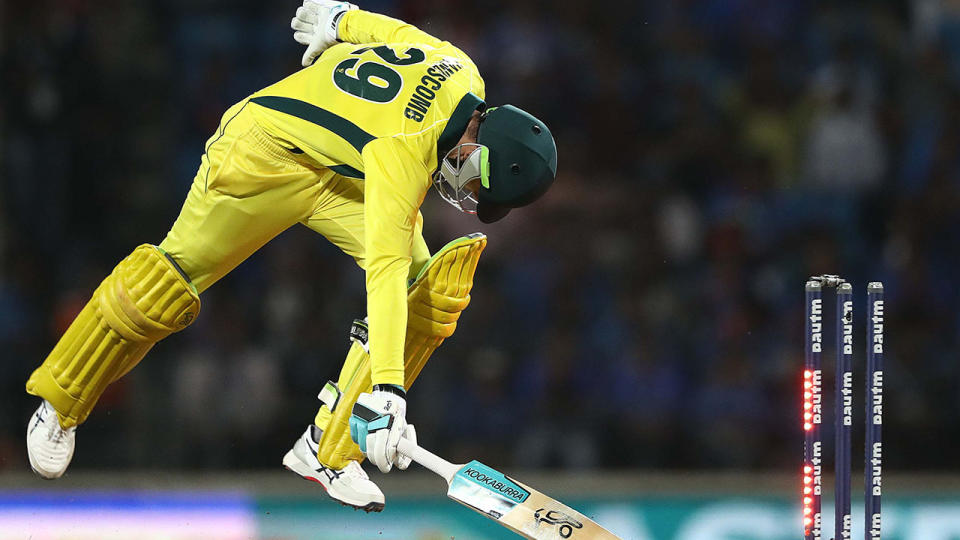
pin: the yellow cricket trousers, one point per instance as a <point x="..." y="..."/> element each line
<point x="249" y="189"/>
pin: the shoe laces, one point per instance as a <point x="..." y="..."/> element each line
<point x="56" y="434"/>
<point x="354" y="470"/>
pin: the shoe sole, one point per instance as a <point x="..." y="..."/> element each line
<point x="293" y="464"/>
<point x="42" y="474"/>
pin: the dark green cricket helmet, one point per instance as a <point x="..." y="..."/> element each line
<point x="523" y="161"/>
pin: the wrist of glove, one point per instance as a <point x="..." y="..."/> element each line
<point x="315" y="26"/>
<point x="378" y="423"/>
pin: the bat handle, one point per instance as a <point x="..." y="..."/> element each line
<point x="428" y="459"/>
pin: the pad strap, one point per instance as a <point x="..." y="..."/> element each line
<point x="330" y="395"/>
<point x="360" y="333"/>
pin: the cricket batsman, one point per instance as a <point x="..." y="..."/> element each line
<point x="349" y="147"/>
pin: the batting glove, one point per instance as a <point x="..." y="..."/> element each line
<point x="316" y="26"/>
<point x="377" y="425"/>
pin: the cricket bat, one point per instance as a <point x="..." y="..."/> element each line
<point x="516" y="506"/>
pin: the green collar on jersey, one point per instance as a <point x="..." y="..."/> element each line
<point x="457" y="124"/>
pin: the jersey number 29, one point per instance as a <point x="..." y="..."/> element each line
<point x="375" y="81"/>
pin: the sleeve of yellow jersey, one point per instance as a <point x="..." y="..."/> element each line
<point x="358" y="26"/>
<point x="395" y="185"/>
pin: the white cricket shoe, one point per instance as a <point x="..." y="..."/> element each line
<point x="49" y="446"/>
<point x="349" y="486"/>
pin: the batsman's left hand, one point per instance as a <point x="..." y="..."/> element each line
<point x="377" y="425"/>
<point x="315" y="26"/>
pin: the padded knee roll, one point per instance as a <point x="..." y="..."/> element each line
<point x="435" y="300"/>
<point x="146" y="298"/>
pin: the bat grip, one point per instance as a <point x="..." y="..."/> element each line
<point x="428" y="459"/>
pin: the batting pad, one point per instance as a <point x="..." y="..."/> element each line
<point x="440" y="292"/>
<point x="145" y="299"/>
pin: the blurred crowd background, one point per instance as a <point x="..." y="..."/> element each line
<point x="648" y="313"/>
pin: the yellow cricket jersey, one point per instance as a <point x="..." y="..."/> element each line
<point x="382" y="106"/>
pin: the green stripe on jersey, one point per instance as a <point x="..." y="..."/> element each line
<point x="346" y="170"/>
<point x="339" y="125"/>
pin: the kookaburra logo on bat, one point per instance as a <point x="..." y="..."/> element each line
<point x="553" y="517"/>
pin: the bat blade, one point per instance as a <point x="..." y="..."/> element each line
<point x="520" y="507"/>
<point x="512" y="504"/>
